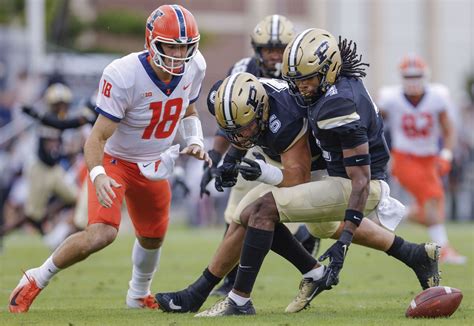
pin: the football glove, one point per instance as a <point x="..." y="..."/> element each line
<point x="209" y="172"/>
<point x="259" y="170"/>
<point x="336" y="254"/>
<point x="226" y="174"/>
<point x="253" y="171"/>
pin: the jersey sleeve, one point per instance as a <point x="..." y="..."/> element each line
<point x="286" y="137"/>
<point x="200" y="64"/>
<point x="340" y="116"/>
<point x="112" y="99"/>
<point x="240" y="66"/>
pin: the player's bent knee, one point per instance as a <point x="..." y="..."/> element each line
<point x="150" y="243"/>
<point x="264" y="213"/>
<point x="99" y="236"/>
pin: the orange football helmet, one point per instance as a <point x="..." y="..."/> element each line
<point x="414" y="72"/>
<point x="171" y="24"/>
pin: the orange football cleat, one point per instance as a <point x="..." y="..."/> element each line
<point x="147" y="302"/>
<point x="23" y="295"/>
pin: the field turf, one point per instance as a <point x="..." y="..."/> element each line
<point x="374" y="290"/>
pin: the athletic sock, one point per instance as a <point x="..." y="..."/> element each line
<point x="438" y="234"/>
<point x="145" y="263"/>
<point x="204" y="284"/>
<point x="239" y="300"/>
<point x="315" y="274"/>
<point x="403" y="251"/>
<point x="256" y="245"/>
<point x="45" y="272"/>
<point x="286" y="245"/>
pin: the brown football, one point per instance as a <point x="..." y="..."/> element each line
<point x="438" y="301"/>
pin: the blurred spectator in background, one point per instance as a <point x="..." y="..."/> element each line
<point x="46" y="177"/>
<point x="417" y="116"/>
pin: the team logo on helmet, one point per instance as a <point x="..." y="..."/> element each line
<point x="241" y="109"/>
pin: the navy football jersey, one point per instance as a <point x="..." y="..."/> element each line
<point x="346" y="117"/>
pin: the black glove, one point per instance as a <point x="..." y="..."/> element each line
<point x="31" y="112"/>
<point x="226" y="174"/>
<point x="253" y="171"/>
<point x="209" y="172"/>
<point x="336" y="254"/>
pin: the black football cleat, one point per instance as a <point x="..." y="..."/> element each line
<point x="425" y="264"/>
<point x="180" y="302"/>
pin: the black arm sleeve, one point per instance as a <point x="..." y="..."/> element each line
<point x="52" y="121"/>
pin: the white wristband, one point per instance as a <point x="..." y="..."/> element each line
<point x="270" y="174"/>
<point x="96" y="171"/>
<point x="446" y="154"/>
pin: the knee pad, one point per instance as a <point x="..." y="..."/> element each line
<point x="323" y="230"/>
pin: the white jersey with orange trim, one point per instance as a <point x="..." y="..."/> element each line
<point x="147" y="109"/>
<point x="415" y="129"/>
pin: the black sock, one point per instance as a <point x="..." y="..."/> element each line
<point x="402" y="250"/>
<point x="286" y="245"/>
<point x="204" y="284"/>
<point x="256" y="245"/>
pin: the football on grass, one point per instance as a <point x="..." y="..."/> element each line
<point x="438" y="301"/>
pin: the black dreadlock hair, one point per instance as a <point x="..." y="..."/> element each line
<point x="352" y="67"/>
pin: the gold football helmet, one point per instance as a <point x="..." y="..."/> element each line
<point x="274" y="31"/>
<point x="241" y="109"/>
<point x="314" y="52"/>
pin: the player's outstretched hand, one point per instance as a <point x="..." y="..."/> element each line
<point x="198" y="152"/>
<point x="103" y="189"/>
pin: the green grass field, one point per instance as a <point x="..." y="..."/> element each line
<point x="374" y="290"/>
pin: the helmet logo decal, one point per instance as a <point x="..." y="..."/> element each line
<point x="182" y="23"/>
<point x="252" y="99"/>
<point x="151" y="21"/>
<point x="321" y="51"/>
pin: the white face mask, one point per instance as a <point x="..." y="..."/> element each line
<point x="413" y="86"/>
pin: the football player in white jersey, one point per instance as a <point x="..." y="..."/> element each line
<point x="144" y="99"/>
<point x="416" y="113"/>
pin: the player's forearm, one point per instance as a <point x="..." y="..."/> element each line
<point x="448" y="136"/>
<point x="94" y="151"/>
<point x="359" y="194"/>
<point x="221" y="144"/>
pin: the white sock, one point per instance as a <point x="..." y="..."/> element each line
<point x="438" y="234"/>
<point x="145" y="263"/>
<point x="315" y="274"/>
<point x="45" y="272"/>
<point x="240" y="301"/>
